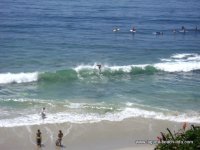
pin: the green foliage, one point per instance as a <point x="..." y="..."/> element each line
<point x="181" y="140"/>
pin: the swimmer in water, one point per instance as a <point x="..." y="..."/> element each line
<point x="43" y="113"/>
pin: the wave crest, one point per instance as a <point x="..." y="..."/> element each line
<point x="185" y="62"/>
<point x="18" y="77"/>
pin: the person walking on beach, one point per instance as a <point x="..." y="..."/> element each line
<point x="60" y="136"/>
<point x="39" y="138"/>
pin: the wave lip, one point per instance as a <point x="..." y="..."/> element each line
<point x="18" y="77"/>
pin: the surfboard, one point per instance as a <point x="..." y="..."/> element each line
<point x="183" y="31"/>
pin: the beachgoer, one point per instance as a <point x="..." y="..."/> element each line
<point x="39" y="138"/>
<point x="59" y="140"/>
<point x="43" y="113"/>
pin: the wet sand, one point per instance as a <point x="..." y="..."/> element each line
<point x="104" y="135"/>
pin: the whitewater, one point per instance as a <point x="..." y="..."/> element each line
<point x="185" y="62"/>
<point x="96" y="104"/>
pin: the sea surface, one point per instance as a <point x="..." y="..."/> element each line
<point x="50" y="49"/>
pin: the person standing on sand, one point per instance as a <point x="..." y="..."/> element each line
<point x="60" y="136"/>
<point x="39" y="138"/>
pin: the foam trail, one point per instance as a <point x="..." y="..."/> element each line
<point x="18" y="77"/>
<point x="51" y="135"/>
<point x="30" y="135"/>
<point x="68" y="130"/>
<point x="184" y="55"/>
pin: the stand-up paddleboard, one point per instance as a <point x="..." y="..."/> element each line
<point x="133" y="31"/>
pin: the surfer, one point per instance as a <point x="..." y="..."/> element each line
<point x="43" y="113"/>
<point x="183" y="29"/>
<point x="60" y="136"/>
<point x="159" y="33"/>
<point x="133" y="29"/>
<point x="99" y="66"/>
<point x="116" y="29"/>
<point x="38" y="138"/>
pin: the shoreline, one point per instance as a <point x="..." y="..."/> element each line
<point x="106" y="135"/>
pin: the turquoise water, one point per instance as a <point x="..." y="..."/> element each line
<point x="49" y="51"/>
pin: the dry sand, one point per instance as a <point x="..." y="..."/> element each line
<point x="104" y="135"/>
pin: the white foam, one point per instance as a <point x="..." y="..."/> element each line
<point x="178" y="66"/>
<point x="62" y="117"/>
<point x="82" y="67"/>
<point x="183" y="55"/>
<point x="74" y="105"/>
<point x="126" y="68"/>
<point x="168" y="66"/>
<point x="18" y="77"/>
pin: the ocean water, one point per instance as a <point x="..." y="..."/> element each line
<point x="49" y="51"/>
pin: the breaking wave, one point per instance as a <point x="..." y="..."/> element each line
<point x="186" y="62"/>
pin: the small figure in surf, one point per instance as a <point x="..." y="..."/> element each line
<point x="39" y="138"/>
<point x="43" y="113"/>
<point x="183" y="28"/>
<point x="159" y="33"/>
<point x="174" y="31"/>
<point x="99" y="66"/>
<point x="59" y="140"/>
<point x="116" y="29"/>
<point x="133" y="29"/>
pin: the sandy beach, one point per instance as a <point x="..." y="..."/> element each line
<point x="104" y="135"/>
